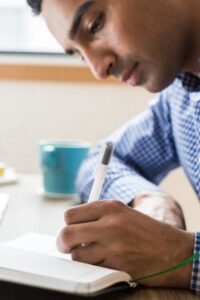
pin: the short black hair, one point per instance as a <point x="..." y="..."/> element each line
<point x="36" y="6"/>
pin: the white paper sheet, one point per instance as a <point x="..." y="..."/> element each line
<point x="39" y="243"/>
<point x="4" y="197"/>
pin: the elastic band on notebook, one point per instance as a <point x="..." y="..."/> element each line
<point x="179" y="265"/>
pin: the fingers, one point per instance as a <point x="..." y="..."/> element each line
<point x="74" y="235"/>
<point x="83" y="213"/>
<point x="91" y="211"/>
<point x="90" y="254"/>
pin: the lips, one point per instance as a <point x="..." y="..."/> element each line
<point x="130" y="76"/>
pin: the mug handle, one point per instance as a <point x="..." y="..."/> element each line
<point x="49" y="156"/>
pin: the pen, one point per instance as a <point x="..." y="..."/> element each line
<point x="101" y="171"/>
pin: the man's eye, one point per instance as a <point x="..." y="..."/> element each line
<point x="97" y="24"/>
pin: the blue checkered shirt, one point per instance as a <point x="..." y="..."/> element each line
<point x="148" y="147"/>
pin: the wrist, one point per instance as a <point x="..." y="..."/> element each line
<point x="175" y="269"/>
<point x="181" y="249"/>
<point x="160" y="206"/>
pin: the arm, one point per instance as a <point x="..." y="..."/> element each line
<point x="144" y="154"/>
<point x="160" y="206"/>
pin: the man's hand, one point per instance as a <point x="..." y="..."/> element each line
<point x="119" y="237"/>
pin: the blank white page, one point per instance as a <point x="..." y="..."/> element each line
<point x="3" y="203"/>
<point x="35" y="242"/>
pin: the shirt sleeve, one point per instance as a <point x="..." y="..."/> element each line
<point x="195" y="282"/>
<point x="144" y="154"/>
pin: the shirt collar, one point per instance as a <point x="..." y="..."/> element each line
<point x="190" y="82"/>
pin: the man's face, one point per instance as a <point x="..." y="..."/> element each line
<point x="139" y="42"/>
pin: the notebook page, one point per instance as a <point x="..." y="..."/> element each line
<point x="3" y="203"/>
<point x="39" y="243"/>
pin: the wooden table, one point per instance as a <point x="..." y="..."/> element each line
<point x="28" y="211"/>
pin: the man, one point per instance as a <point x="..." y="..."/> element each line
<point x="154" y="44"/>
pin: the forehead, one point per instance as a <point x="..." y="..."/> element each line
<point x="58" y="15"/>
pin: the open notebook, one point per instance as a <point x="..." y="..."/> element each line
<point x="33" y="259"/>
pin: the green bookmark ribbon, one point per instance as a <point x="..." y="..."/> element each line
<point x="173" y="268"/>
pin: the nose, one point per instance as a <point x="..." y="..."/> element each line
<point x="101" y="65"/>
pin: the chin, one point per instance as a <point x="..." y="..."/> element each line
<point x="155" y="86"/>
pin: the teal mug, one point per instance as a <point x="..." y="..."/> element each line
<point x="60" y="162"/>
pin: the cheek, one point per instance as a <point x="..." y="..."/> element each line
<point x="121" y="40"/>
<point x="131" y="38"/>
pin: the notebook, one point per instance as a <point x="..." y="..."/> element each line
<point x="33" y="260"/>
<point x="4" y="197"/>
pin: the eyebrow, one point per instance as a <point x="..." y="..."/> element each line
<point x="78" y="16"/>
